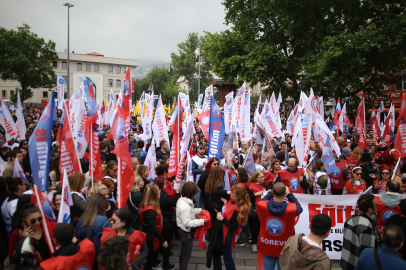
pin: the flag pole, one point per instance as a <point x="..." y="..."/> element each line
<point x="118" y="182"/>
<point x="396" y="167"/>
<point x="91" y="153"/>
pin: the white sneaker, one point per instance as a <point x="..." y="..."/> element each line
<point x="254" y="248"/>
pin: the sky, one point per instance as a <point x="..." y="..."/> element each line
<point x="133" y="29"/>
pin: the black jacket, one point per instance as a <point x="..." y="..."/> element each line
<point x="202" y="185"/>
<point x="149" y="225"/>
<point x="166" y="202"/>
<point x="368" y="169"/>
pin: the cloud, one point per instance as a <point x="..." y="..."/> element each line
<point x="134" y="29"/>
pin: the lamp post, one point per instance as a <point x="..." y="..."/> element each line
<point x="198" y="85"/>
<point x="69" y="5"/>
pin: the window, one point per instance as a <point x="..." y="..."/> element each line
<point x="44" y="94"/>
<point x="110" y="82"/>
<point x="96" y="67"/>
<point x="88" y="66"/>
<point x="65" y="95"/>
<point x="3" y="93"/>
<point x="110" y="68"/>
<point x="79" y="66"/>
<point x="118" y="82"/>
<point x="11" y="92"/>
<point x="64" y="65"/>
<point x="66" y="79"/>
<point x="118" y="69"/>
<point x="55" y="64"/>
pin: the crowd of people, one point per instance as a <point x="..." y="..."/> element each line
<point x="102" y="236"/>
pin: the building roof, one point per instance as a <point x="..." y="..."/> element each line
<point x="95" y="54"/>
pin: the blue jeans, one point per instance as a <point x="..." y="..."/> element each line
<point x="271" y="263"/>
<point x="227" y="255"/>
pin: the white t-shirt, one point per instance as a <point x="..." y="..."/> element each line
<point x="310" y="242"/>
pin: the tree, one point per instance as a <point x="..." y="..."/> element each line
<point x="328" y="45"/>
<point x="27" y="58"/>
<point x="162" y="82"/>
<point x="186" y="64"/>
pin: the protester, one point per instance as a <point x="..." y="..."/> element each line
<point x="360" y="232"/>
<point x="356" y="185"/>
<point x="388" y="203"/>
<point x="15" y="155"/>
<point x="56" y="203"/>
<point x="304" y="252"/>
<point x="274" y="169"/>
<point x="113" y="254"/>
<point x="151" y="219"/>
<point x="322" y="182"/>
<point x="389" y="257"/>
<point x="339" y="176"/>
<point x="272" y="211"/>
<point x="293" y="177"/>
<point x="399" y="220"/>
<point x="186" y="220"/>
<point x="77" y="183"/>
<point x="198" y="167"/>
<point x="211" y="164"/>
<point x="143" y="172"/>
<point x="15" y="186"/>
<point x="384" y="175"/>
<point x="102" y="189"/>
<point x="69" y="255"/>
<point x="163" y="151"/>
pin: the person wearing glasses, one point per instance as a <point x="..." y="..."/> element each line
<point x="31" y="219"/>
<point x="356" y="185"/>
<point x="384" y="175"/>
<point x="360" y="232"/>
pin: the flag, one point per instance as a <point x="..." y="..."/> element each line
<point x="207" y="94"/>
<point x="216" y="131"/>
<point x="238" y="108"/>
<point x="400" y="141"/>
<point x="392" y="117"/>
<point x="151" y="87"/>
<point x="127" y="100"/>
<point x="150" y="162"/>
<point x="290" y="123"/>
<point x="249" y="163"/>
<point x="18" y="172"/>
<point x="7" y="122"/>
<point x="321" y="107"/>
<point x="44" y="206"/>
<point x="78" y="121"/>
<point x="228" y="106"/>
<point x="256" y="114"/>
<point x="146" y="119"/>
<point x="360" y="124"/>
<point x="20" y="124"/>
<point x="39" y="146"/>
<point x="246" y="125"/>
<point x="226" y="180"/>
<point x="374" y="124"/>
<point x="69" y="158"/>
<point x="380" y="110"/>
<point x="159" y="124"/>
<point x="402" y="110"/>
<point x="66" y="201"/>
<point x="199" y="101"/>
<point x="337" y="116"/>
<point x="278" y="102"/>
<point x="387" y="133"/>
<point x="60" y="86"/>
<point x="189" y="173"/>
<point x="267" y="152"/>
<point x="125" y="175"/>
<point x="327" y="158"/>
<point x="343" y="119"/>
<point x="3" y="165"/>
<point x="176" y="138"/>
<point x="204" y="120"/>
<point x="268" y="122"/>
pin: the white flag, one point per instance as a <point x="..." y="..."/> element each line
<point x="18" y="172"/>
<point x="189" y="176"/>
<point x="3" y="165"/>
<point x="228" y="112"/>
<point x="226" y="181"/>
<point x="146" y="120"/>
<point x="207" y="94"/>
<point x="246" y="125"/>
<point x="256" y="114"/>
<point x="159" y="125"/>
<point x="60" y="86"/>
<point x="66" y="201"/>
<point x="150" y="162"/>
<point x="238" y="109"/>
<point x="7" y="121"/>
<point x="78" y="117"/>
<point x="20" y="124"/>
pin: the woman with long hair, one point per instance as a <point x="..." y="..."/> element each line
<point x="110" y="171"/>
<point x="134" y="200"/>
<point x="26" y="161"/>
<point x="356" y="185"/>
<point x="186" y="220"/>
<point x="54" y="174"/>
<point x="112" y="186"/>
<point x="274" y="169"/>
<point x="121" y="225"/>
<point x="213" y="162"/>
<point x="214" y="190"/>
<point x="143" y="172"/>
<point x="114" y="254"/>
<point x="322" y="183"/>
<point x="167" y="204"/>
<point x="93" y="220"/>
<point x="256" y="188"/>
<point x="15" y="186"/>
<point x="77" y="183"/>
<point x="384" y="175"/>
<point x="234" y="215"/>
<point x="151" y="219"/>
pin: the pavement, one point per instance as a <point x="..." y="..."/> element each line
<point x="244" y="259"/>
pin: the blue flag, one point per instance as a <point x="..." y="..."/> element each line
<point x="216" y="131"/>
<point x="39" y="146"/>
<point x="327" y="158"/>
<point x="249" y="164"/>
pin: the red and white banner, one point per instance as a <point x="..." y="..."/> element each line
<point x="360" y="124"/>
<point x="7" y="121"/>
<point x="20" y="124"/>
<point x="159" y="124"/>
<point x="238" y="107"/>
<point x="228" y="112"/>
<point x="374" y="124"/>
<point x="400" y="141"/>
<point x="177" y="137"/>
<point x="246" y="125"/>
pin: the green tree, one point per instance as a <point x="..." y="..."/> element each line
<point x="163" y="84"/>
<point x="27" y="58"/>
<point x="186" y="64"/>
<point x="328" y="45"/>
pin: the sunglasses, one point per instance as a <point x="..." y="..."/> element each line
<point x="359" y="174"/>
<point x="215" y="164"/>
<point x="33" y="221"/>
<point x="385" y="173"/>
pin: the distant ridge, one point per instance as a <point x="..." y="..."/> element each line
<point x="142" y="70"/>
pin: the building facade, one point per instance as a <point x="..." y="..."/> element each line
<point x="105" y="72"/>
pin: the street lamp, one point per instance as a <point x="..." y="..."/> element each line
<point x="198" y="85"/>
<point x="69" y="5"/>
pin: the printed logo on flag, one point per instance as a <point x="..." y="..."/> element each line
<point x="275" y="226"/>
<point x="266" y="109"/>
<point x="300" y="103"/>
<point x="229" y="101"/>
<point x="78" y="94"/>
<point x="45" y="114"/>
<point x="205" y="120"/>
<point x="314" y="104"/>
<point x="120" y="135"/>
<point x="79" y="146"/>
<point x="61" y="81"/>
<point x="216" y="110"/>
<point x="91" y="106"/>
<point x="126" y="88"/>
<point x="246" y="99"/>
<point x="327" y="151"/>
<point x="388" y="213"/>
<point x="240" y="91"/>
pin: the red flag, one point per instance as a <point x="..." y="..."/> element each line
<point x="402" y="110"/>
<point x="177" y="137"/>
<point x="48" y="218"/>
<point x="103" y="108"/>
<point x="360" y="124"/>
<point x="69" y="161"/>
<point x="201" y="231"/>
<point x="204" y="120"/>
<point x="95" y="168"/>
<point x="125" y="176"/>
<point x="400" y="141"/>
<point x="374" y="124"/>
